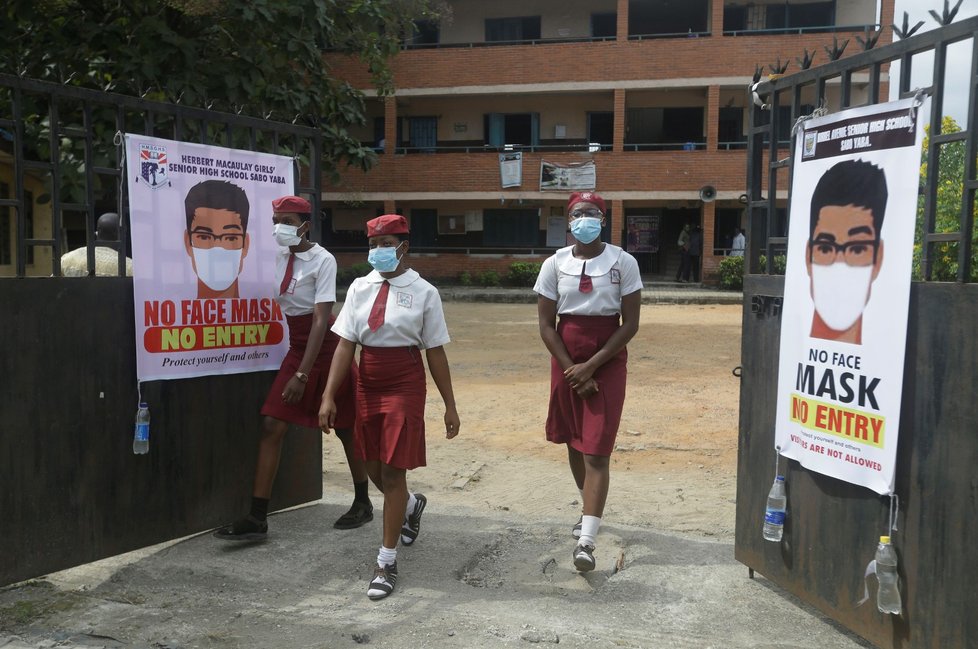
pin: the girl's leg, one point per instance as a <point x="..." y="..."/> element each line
<point x="361" y="512"/>
<point x="254" y="527"/>
<point x="576" y="461"/>
<point x="596" y="480"/>
<point x="395" y="502"/>
<point x="394" y="482"/>
<point x="269" y="452"/>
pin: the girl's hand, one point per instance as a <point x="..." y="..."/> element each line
<point x="452" y="423"/>
<point x="578" y="375"/>
<point x="587" y="390"/>
<point x="327" y="414"/>
<point x="293" y="391"/>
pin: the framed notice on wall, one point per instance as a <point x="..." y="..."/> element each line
<point x="451" y="224"/>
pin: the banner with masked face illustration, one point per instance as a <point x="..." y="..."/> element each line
<point x="847" y="288"/>
<point x="204" y="258"/>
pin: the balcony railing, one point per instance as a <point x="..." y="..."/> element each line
<point x="665" y="146"/>
<point x="592" y="147"/>
<point x="732" y="145"/>
<point x="686" y="34"/>
<point x="531" y="41"/>
<point x="815" y="29"/>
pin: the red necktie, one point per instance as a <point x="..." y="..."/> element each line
<point x="585" y="286"/>
<point x="377" y="311"/>
<point x="288" y="275"/>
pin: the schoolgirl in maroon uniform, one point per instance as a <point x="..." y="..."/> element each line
<point x="589" y="297"/>
<point x="392" y="313"/>
<point x="306" y="282"/>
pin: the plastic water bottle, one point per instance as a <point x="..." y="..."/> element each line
<point x="888" y="596"/>
<point x="774" y="516"/>
<point x="140" y="439"/>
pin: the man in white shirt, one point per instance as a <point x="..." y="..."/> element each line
<point x="739" y="243"/>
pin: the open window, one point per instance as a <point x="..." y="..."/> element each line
<point x="512" y="128"/>
<point x="604" y="25"/>
<point x="525" y="28"/>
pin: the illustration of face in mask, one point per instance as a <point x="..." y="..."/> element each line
<point x="840" y="292"/>
<point x="217" y="267"/>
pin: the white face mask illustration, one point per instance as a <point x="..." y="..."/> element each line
<point x="840" y="292"/>
<point x="217" y="267"/>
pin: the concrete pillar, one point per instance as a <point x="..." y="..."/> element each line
<point x="618" y="144"/>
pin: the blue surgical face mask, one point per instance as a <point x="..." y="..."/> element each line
<point x="383" y="259"/>
<point x="586" y="228"/>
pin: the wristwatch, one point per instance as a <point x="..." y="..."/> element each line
<point x="302" y="376"/>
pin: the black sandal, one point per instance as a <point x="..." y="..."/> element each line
<point x="359" y="515"/>
<point x="248" y="528"/>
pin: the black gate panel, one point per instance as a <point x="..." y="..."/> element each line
<point x="833" y="526"/>
<point x="71" y="489"/>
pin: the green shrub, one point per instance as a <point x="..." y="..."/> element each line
<point x="731" y="270"/>
<point x="523" y="273"/>
<point x="780" y="264"/>
<point x="488" y="278"/>
<point x="465" y="279"/>
<point x="345" y="276"/>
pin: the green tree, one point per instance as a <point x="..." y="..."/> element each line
<point x="262" y="58"/>
<point x="947" y="211"/>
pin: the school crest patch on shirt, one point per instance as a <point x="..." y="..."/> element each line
<point x="615" y="276"/>
<point x="404" y="300"/>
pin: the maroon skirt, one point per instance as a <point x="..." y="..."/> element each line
<point x="390" y="405"/>
<point x="588" y="425"/>
<point x="305" y="412"/>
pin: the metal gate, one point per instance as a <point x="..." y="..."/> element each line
<point x="833" y="525"/>
<point x="71" y="490"/>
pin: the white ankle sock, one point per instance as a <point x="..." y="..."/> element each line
<point x="386" y="556"/>
<point x="589" y="529"/>
<point x="412" y="501"/>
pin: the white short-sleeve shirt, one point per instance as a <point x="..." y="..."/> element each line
<point x="413" y="316"/>
<point x="313" y="279"/>
<point x="614" y="273"/>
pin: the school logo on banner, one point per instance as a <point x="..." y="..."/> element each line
<point x="153" y="165"/>
<point x="847" y="291"/>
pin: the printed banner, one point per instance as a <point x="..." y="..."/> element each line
<point x="643" y="234"/>
<point x="847" y="289"/>
<point x="511" y="169"/>
<point x="558" y="177"/>
<point x="203" y="258"/>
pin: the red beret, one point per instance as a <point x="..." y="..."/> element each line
<point x="387" y="224"/>
<point x="292" y="204"/>
<point x="585" y="197"/>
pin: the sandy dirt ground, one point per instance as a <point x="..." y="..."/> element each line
<point x="492" y="567"/>
<point x="674" y="466"/>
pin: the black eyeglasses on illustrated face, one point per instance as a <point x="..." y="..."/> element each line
<point x="205" y="239"/>
<point x="855" y="253"/>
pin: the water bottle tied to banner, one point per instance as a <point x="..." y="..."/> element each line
<point x="777" y="504"/>
<point x="884" y="566"/>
